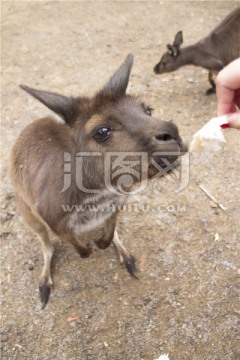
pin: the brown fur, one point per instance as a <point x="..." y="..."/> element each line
<point x="37" y="164"/>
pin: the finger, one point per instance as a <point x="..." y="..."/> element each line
<point x="234" y="120"/>
<point x="225" y="98"/>
<point x="237" y="98"/>
<point x="228" y="81"/>
<point x="229" y="77"/>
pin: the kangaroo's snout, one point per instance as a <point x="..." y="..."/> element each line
<point x="168" y="138"/>
<point x="183" y="147"/>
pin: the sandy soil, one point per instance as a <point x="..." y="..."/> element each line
<point x="186" y="301"/>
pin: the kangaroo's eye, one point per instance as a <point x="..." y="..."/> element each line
<point x="149" y="111"/>
<point x="102" y="134"/>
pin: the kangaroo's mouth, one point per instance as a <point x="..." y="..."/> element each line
<point x="162" y="165"/>
<point x="163" y="162"/>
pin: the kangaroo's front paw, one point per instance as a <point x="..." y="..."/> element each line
<point x="103" y="243"/>
<point x="86" y="252"/>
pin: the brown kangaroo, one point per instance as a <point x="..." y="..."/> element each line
<point x="213" y="52"/>
<point x="61" y="171"/>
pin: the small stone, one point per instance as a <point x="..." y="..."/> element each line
<point x="73" y="324"/>
<point x="216" y="238"/>
<point x="213" y="204"/>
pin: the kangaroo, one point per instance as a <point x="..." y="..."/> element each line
<point x="57" y="165"/>
<point x="213" y="52"/>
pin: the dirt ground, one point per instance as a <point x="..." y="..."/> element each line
<point x="186" y="301"/>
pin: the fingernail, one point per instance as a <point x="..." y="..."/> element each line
<point x="225" y="126"/>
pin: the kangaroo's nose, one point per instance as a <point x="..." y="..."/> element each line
<point x="164" y="136"/>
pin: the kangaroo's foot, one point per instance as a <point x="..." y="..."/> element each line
<point x="211" y="91"/>
<point x="126" y="258"/>
<point x="45" y="287"/>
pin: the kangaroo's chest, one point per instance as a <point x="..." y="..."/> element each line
<point x="89" y="215"/>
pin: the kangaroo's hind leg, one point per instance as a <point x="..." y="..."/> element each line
<point x="40" y="228"/>
<point x="111" y="235"/>
<point x="125" y="256"/>
<point x="211" y="90"/>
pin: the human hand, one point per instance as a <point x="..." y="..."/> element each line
<point x="228" y="93"/>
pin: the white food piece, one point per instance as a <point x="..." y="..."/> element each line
<point x="210" y="136"/>
<point x="163" y="357"/>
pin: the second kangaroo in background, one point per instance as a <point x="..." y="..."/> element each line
<point x="213" y="52"/>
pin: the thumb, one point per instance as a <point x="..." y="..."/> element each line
<point x="234" y="120"/>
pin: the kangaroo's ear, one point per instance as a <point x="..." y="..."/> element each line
<point x="170" y="49"/>
<point x="178" y="39"/>
<point x="61" y="105"/>
<point x="119" y="81"/>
